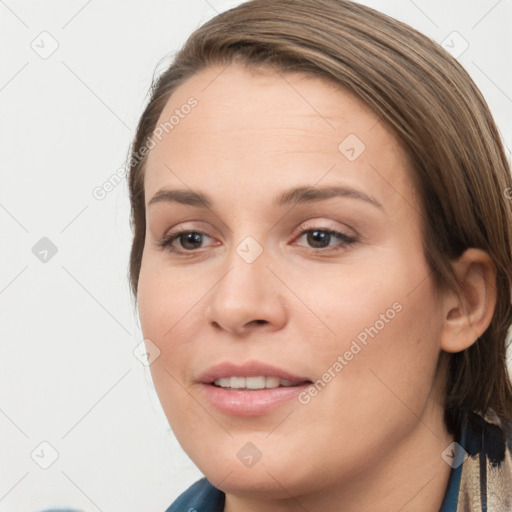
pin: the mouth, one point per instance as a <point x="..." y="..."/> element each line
<point x="251" y="389"/>
<point x="252" y="383"/>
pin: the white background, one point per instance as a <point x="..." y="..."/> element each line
<point x="68" y="325"/>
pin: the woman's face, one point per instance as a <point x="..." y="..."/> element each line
<point x="300" y="261"/>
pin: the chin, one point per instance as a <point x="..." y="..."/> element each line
<point x="275" y="473"/>
<point x="252" y="482"/>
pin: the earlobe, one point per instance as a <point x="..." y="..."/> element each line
<point x="468" y="313"/>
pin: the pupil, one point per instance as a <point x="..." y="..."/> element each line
<point x="319" y="238"/>
<point x="191" y="240"/>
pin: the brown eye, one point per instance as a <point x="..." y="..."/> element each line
<point x="191" y="240"/>
<point x="184" y="241"/>
<point x="318" y="239"/>
<point x="323" y="238"/>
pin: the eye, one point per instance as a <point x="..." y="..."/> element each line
<point x="317" y="240"/>
<point x="183" y="241"/>
<point x="322" y="238"/>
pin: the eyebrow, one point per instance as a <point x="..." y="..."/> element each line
<point x="294" y="196"/>
<point x="308" y="194"/>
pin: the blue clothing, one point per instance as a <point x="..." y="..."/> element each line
<point x="201" y="497"/>
<point x="484" y="460"/>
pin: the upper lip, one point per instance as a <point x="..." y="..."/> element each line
<point x="249" y="369"/>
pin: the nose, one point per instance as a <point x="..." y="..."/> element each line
<point x="247" y="298"/>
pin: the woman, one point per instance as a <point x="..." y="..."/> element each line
<point x="322" y="255"/>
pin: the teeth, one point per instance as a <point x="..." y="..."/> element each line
<point x="286" y="383"/>
<point x="254" y="382"/>
<point x="237" y="382"/>
<point x="272" y="382"/>
<point x="225" y="382"/>
<point x="260" y="382"/>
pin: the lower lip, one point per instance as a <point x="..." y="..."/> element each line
<point x="250" y="402"/>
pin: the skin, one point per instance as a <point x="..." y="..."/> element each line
<point x="372" y="438"/>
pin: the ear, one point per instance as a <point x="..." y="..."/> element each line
<point x="467" y="314"/>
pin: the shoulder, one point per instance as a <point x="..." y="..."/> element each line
<point x="199" y="497"/>
<point x="486" y="480"/>
<point x="488" y="434"/>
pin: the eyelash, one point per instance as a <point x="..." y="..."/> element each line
<point x="346" y="240"/>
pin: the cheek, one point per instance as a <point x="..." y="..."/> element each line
<point x="389" y="306"/>
<point x="382" y="325"/>
<point x="171" y="303"/>
<point x="166" y="299"/>
<point x="384" y="349"/>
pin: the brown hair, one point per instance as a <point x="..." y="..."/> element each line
<point x="431" y="104"/>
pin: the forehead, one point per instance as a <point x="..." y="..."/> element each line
<point x="252" y="127"/>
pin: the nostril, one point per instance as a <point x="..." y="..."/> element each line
<point x="259" y="322"/>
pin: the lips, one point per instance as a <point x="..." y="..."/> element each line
<point x="251" y="389"/>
